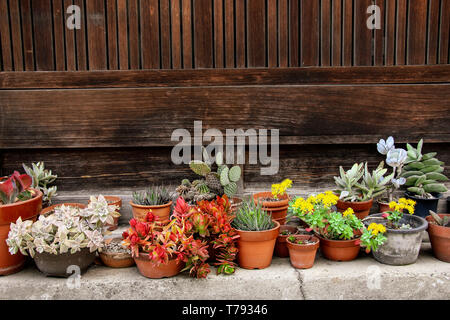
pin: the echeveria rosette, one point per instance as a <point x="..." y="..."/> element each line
<point x="396" y="157"/>
<point x="384" y="147"/>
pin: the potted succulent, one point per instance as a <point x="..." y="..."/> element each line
<point x="302" y="250"/>
<point x="51" y="209"/>
<point x="156" y="199"/>
<point x="258" y="234"/>
<point x="69" y="236"/>
<point x="424" y="179"/>
<point x="17" y="200"/>
<point x="115" y="255"/>
<point x="42" y="179"/>
<point x="281" y="249"/>
<point x="357" y="188"/>
<point x="403" y="233"/>
<point x="276" y="202"/>
<point x="439" y="232"/>
<point x="117" y="202"/>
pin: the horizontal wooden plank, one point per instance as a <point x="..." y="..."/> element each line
<point x="225" y="77"/>
<point x="141" y="117"/>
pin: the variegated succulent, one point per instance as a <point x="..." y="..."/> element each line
<point x="42" y="180"/>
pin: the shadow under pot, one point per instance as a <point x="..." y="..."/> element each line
<point x="402" y="246"/>
<point x="423" y="206"/>
<point x="161" y="211"/>
<point x="281" y="249"/>
<point x="439" y="238"/>
<point x="276" y="207"/>
<point x="64" y="265"/>
<point x="361" y="209"/>
<point x="302" y="253"/>
<point x="151" y="270"/>
<point x="339" y="250"/>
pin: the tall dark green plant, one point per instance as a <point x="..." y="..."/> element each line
<point x="251" y="217"/>
<point x="154" y="196"/>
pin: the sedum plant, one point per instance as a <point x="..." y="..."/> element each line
<point x="155" y="196"/>
<point x="42" y="179"/>
<point x="280" y="189"/>
<point x="395" y="215"/>
<point x="15" y="188"/>
<point x="251" y="217"/>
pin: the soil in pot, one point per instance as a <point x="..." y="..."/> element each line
<point x="439" y="238"/>
<point x="276" y="207"/>
<point x="361" y="209"/>
<point x="339" y="250"/>
<point x="402" y="245"/>
<point x="423" y="206"/>
<point x="162" y="211"/>
<point x="151" y="270"/>
<point x="281" y="249"/>
<point x="256" y="247"/>
<point x="57" y="265"/>
<point x="114" y="255"/>
<point x="302" y="251"/>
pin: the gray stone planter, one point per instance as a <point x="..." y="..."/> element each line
<point x="402" y="246"/>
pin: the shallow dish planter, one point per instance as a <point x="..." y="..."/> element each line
<point x="151" y="270"/>
<point x="256" y="247"/>
<point x="57" y="265"/>
<point x="51" y="208"/>
<point x="423" y="206"/>
<point x="9" y="213"/>
<point x="339" y="250"/>
<point x="277" y="207"/>
<point x="302" y="255"/>
<point x="361" y="209"/>
<point x="403" y="245"/>
<point x="440" y="238"/>
<point x="114" y="255"/>
<point x="116" y="201"/>
<point x="162" y="211"/>
<point x="281" y="249"/>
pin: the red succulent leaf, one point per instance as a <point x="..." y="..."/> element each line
<point x="25" y="181"/>
<point x="308" y="229"/>
<point x="7" y="187"/>
<point x="358" y="242"/>
<point x="385" y="215"/>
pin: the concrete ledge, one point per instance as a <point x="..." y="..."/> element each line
<point x="429" y="278"/>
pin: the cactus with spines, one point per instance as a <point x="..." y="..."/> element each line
<point x="423" y="172"/>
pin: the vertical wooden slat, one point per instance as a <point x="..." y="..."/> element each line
<point x="379" y="35"/>
<point x="133" y="34"/>
<point x="58" y="29"/>
<point x="164" y="20"/>
<point x="433" y="31"/>
<point x="95" y="16"/>
<point x="80" y="36"/>
<point x="390" y="32"/>
<point x="363" y="35"/>
<point x="256" y="33"/>
<point x="401" y="33"/>
<point x="16" y="33"/>
<point x="283" y="27"/>
<point x="229" y="33"/>
<point x="187" y="34"/>
<point x="71" y="56"/>
<point x="347" y="37"/>
<point x="150" y="34"/>
<point x="310" y="33"/>
<point x="417" y="35"/>
<point x="218" y="34"/>
<point x="176" y="33"/>
<point x="272" y="35"/>
<point x="240" y="33"/>
<point x="111" y="11"/>
<point x="294" y="37"/>
<point x="325" y="38"/>
<point x="43" y="35"/>
<point x="5" y="37"/>
<point x="337" y="32"/>
<point x="445" y="32"/>
<point x="27" y="35"/>
<point x="122" y="25"/>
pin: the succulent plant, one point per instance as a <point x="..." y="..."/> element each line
<point x="374" y="185"/>
<point x="444" y="222"/>
<point x="42" y="179"/>
<point x="251" y="217"/>
<point x="15" y="188"/>
<point x="154" y="196"/>
<point x="347" y="182"/>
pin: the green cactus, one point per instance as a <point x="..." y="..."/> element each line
<point x="235" y="174"/>
<point x="230" y="189"/>
<point x="200" y="167"/>
<point x="224" y="180"/>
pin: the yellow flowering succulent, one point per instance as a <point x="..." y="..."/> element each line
<point x="347" y="212"/>
<point x="376" y="228"/>
<point x="403" y="204"/>
<point x="280" y="189"/>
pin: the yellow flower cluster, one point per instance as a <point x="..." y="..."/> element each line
<point x="326" y="199"/>
<point x="403" y="204"/>
<point x="376" y="228"/>
<point x="347" y="212"/>
<point x="280" y="188"/>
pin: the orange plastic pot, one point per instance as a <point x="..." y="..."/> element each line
<point x="339" y="250"/>
<point x="51" y="208"/>
<point x="28" y="210"/>
<point x="361" y="209"/>
<point x="439" y="238"/>
<point x="256" y="247"/>
<point x="151" y="270"/>
<point x="162" y="211"/>
<point x="302" y="256"/>
<point x="281" y="249"/>
<point x="278" y="209"/>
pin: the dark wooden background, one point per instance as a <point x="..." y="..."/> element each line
<point x="99" y="104"/>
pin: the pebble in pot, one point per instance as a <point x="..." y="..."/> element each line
<point x="115" y="255"/>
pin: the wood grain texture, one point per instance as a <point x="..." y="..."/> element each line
<point x="337" y="33"/>
<point x="401" y="32"/>
<point x="164" y="20"/>
<point x="347" y="37"/>
<point x="379" y="37"/>
<point x="5" y="38"/>
<point x="445" y="33"/>
<point x="272" y="34"/>
<point x="203" y="36"/>
<point x="417" y="35"/>
<point x="122" y="25"/>
<point x="43" y="35"/>
<point x="187" y="34"/>
<point x="390" y="32"/>
<point x="362" y="35"/>
<point x="59" y="24"/>
<point x="326" y="32"/>
<point x="294" y="33"/>
<point x="283" y="27"/>
<point x="175" y="19"/>
<point x="310" y="33"/>
<point x="256" y="33"/>
<point x="240" y="44"/>
<point x="218" y="34"/>
<point x="27" y="35"/>
<point x="95" y="16"/>
<point x="433" y="31"/>
<point x="111" y="17"/>
<point x="16" y="33"/>
<point x="80" y="36"/>
<point x="150" y="34"/>
<point x="133" y="34"/>
<point x="71" y="54"/>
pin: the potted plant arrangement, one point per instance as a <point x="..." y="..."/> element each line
<point x="302" y="250"/>
<point x="17" y="200"/>
<point x="42" y="179"/>
<point x="439" y="232"/>
<point x="115" y="255"/>
<point x="281" y="249"/>
<point x="68" y="236"/>
<point x="357" y="188"/>
<point x="423" y="174"/>
<point x="403" y="233"/>
<point x="276" y="202"/>
<point x="156" y="199"/>
<point x="117" y="202"/>
<point x="258" y="234"/>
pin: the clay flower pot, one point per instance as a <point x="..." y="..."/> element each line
<point x="116" y="259"/>
<point x="278" y="209"/>
<point x="28" y="210"/>
<point x="162" y="211"/>
<point x="117" y="201"/>
<point x="235" y="204"/>
<point x="281" y="249"/>
<point x="361" y="209"/>
<point x="383" y="206"/>
<point x="302" y="256"/>
<point x="339" y="250"/>
<point x="49" y="209"/>
<point x="440" y="239"/>
<point x="151" y="270"/>
<point x="57" y="265"/>
<point x="256" y="247"/>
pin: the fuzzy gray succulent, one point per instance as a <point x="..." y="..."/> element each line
<point x="42" y="180"/>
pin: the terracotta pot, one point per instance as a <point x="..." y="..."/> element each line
<point x="302" y="256"/>
<point x="116" y="201"/>
<point x="151" y="270"/>
<point x="28" y="210"/>
<point x="361" y="209"/>
<point x="339" y="250"/>
<point x="116" y="259"/>
<point x="162" y="211"/>
<point x="57" y="265"/>
<point x="235" y="204"/>
<point x="281" y="249"/>
<point x="440" y="238"/>
<point x="51" y="208"/>
<point x="278" y="209"/>
<point x="256" y="247"/>
<point x="383" y="206"/>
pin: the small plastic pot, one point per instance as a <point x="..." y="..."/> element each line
<point x="423" y="206"/>
<point x="302" y="256"/>
<point x="439" y="238"/>
<point x="281" y="249"/>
